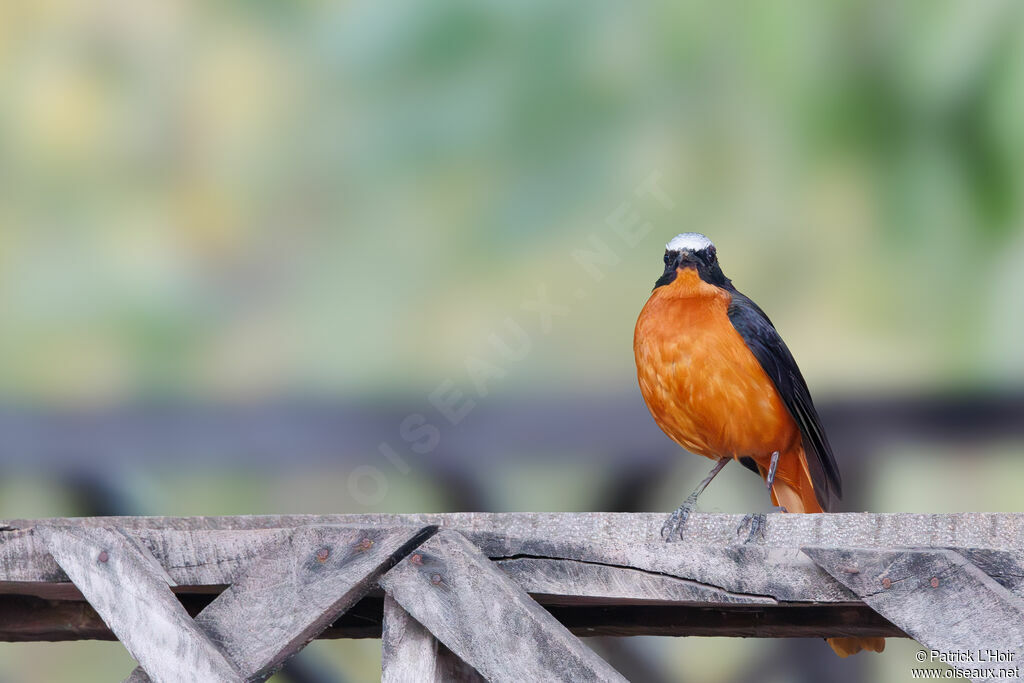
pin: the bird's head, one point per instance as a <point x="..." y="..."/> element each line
<point x="692" y="250"/>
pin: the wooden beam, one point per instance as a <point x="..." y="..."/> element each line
<point x="943" y="601"/>
<point x="130" y="590"/>
<point x="711" y="564"/>
<point x="504" y="534"/>
<point x="410" y="654"/>
<point x="573" y="582"/>
<point x="1005" y="566"/>
<point x="597" y="573"/>
<point x="202" y="557"/>
<point x="28" y="619"/>
<point x="741" y="621"/>
<point x="468" y="604"/>
<point x="295" y="590"/>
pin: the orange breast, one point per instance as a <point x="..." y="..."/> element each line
<point x="703" y="386"/>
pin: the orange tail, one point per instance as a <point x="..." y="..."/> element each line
<point x="794" y="491"/>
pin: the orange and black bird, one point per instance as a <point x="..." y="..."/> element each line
<point x="720" y="382"/>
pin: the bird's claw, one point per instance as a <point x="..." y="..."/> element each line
<point x="757" y="523"/>
<point x="672" y="529"/>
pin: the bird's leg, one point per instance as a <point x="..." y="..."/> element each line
<point x="673" y="526"/>
<point x="758" y="521"/>
<point x="770" y="479"/>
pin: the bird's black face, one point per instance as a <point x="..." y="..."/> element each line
<point x="705" y="261"/>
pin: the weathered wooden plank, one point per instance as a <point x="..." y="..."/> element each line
<point x="28" y="619"/>
<point x="736" y="621"/>
<point x="574" y="582"/>
<point x="860" y="530"/>
<point x="936" y="596"/>
<point x="408" y="651"/>
<point x="190" y="558"/>
<point x="131" y="592"/>
<point x="410" y="654"/>
<point x="33" y="619"/>
<point x="1005" y="566"/>
<point x="566" y="560"/>
<point x="214" y="551"/>
<point x="296" y="590"/>
<point x="468" y="604"/>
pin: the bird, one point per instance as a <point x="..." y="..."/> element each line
<point x="719" y="381"/>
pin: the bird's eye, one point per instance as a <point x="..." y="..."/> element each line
<point x="712" y="254"/>
<point x="668" y="257"/>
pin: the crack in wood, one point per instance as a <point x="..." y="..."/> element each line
<point x="739" y="597"/>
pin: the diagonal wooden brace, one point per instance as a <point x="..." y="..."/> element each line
<point x="296" y="590"/>
<point x="131" y="592"/>
<point x="937" y="597"/>
<point x="471" y="606"/>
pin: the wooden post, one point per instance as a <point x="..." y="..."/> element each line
<point x="412" y="655"/>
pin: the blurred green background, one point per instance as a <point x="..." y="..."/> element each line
<point x="235" y="202"/>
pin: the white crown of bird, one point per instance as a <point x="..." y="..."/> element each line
<point x="690" y="241"/>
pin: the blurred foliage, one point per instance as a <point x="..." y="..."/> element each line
<point x="263" y="197"/>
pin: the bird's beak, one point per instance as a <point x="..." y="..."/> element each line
<point x="682" y="259"/>
<point x="686" y="259"/>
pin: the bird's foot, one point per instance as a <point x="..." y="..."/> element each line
<point x="672" y="529"/>
<point x="757" y="525"/>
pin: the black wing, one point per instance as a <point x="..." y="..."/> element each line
<point x="773" y="355"/>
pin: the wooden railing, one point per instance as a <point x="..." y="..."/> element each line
<point x="502" y="596"/>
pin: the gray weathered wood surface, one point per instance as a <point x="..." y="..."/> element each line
<point x="410" y="654"/>
<point x="294" y="590"/>
<point x="131" y="592"/>
<point x="595" y="573"/>
<point x="482" y="616"/>
<point x="937" y="596"/>
<point x="710" y="561"/>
